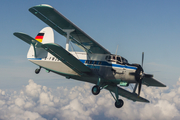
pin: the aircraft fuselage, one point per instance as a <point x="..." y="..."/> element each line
<point x="112" y="68"/>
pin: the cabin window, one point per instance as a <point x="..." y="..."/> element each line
<point x="114" y="58"/>
<point x="123" y="60"/>
<point x="119" y="59"/>
<point x="90" y="62"/>
<point x="99" y="63"/>
<point x="95" y="62"/>
<point x="86" y="61"/>
<point x="108" y="58"/>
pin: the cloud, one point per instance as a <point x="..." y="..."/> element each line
<point x="37" y="102"/>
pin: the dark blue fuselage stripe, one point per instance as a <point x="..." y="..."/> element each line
<point x="103" y="63"/>
<point x="108" y="64"/>
<point x="35" y="58"/>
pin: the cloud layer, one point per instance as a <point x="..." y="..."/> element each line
<point x="37" y="102"/>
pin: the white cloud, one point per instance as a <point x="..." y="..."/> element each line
<point x="37" y="102"/>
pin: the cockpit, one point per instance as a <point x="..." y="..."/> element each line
<point x="116" y="58"/>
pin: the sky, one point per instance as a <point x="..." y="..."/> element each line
<point x="138" y="26"/>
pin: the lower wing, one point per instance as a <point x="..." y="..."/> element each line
<point x="152" y="82"/>
<point x="122" y="92"/>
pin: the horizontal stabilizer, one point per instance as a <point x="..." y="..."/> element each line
<point x="28" y="39"/>
<point x="131" y="96"/>
<point x="152" y="82"/>
<point x="66" y="57"/>
<point x="57" y="51"/>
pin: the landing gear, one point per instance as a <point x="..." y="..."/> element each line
<point x="37" y="70"/>
<point x="119" y="103"/>
<point x="96" y="90"/>
<point x="112" y="89"/>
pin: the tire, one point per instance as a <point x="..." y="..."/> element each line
<point x="37" y="71"/>
<point x="96" y="90"/>
<point x="119" y="103"/>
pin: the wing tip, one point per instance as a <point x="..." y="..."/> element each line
<point x="18" y="33"/>
<point x="163" y="85"/>
<point x="42" y="5"/>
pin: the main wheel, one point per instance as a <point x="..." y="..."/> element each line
<point x="37" y="71"/>
<point x="96" y="90"/>
<point x="119" y="103"/>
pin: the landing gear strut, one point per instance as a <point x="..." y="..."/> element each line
<point x="118" y="102"/>
<point x="37" y="70"/>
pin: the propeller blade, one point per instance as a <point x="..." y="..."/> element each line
<point x="139" y="87"/>
<point x="148" y="75"/>
<point x="142" y="59"/>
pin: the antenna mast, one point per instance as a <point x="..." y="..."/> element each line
<point x="117" y="49"/>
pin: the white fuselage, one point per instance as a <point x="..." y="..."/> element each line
<point x="111" y="71"/>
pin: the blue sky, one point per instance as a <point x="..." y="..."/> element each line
<point x="152" y="27"/>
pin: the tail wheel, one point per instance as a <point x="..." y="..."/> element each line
<point x="119" y="103"/>
<point x="96" y="90"/>
<point x="37" y="70"/>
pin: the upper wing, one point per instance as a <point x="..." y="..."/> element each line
<point x="126" y="94"/>
<point x="59" y="23"/>
<point x="57" y="51"/>
<point x="152" y="82"/>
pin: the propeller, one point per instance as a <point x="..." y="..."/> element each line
<point x="142" y="59"/>
<point x="141" y="75"/>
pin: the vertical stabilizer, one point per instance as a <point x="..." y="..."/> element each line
<point x="46" y="35"/>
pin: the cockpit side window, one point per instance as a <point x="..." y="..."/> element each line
<point x="108" y="58"/>
<point x="124" y="60"/>
<point x="119" y="59"/>
<point x="115" y="58"/>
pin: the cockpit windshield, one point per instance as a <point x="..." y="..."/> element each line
<point x="116" y="58"/>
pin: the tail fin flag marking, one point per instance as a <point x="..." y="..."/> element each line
<point x="39" y="37"/>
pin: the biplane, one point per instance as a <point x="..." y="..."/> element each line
<point x="95" y="65"/>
